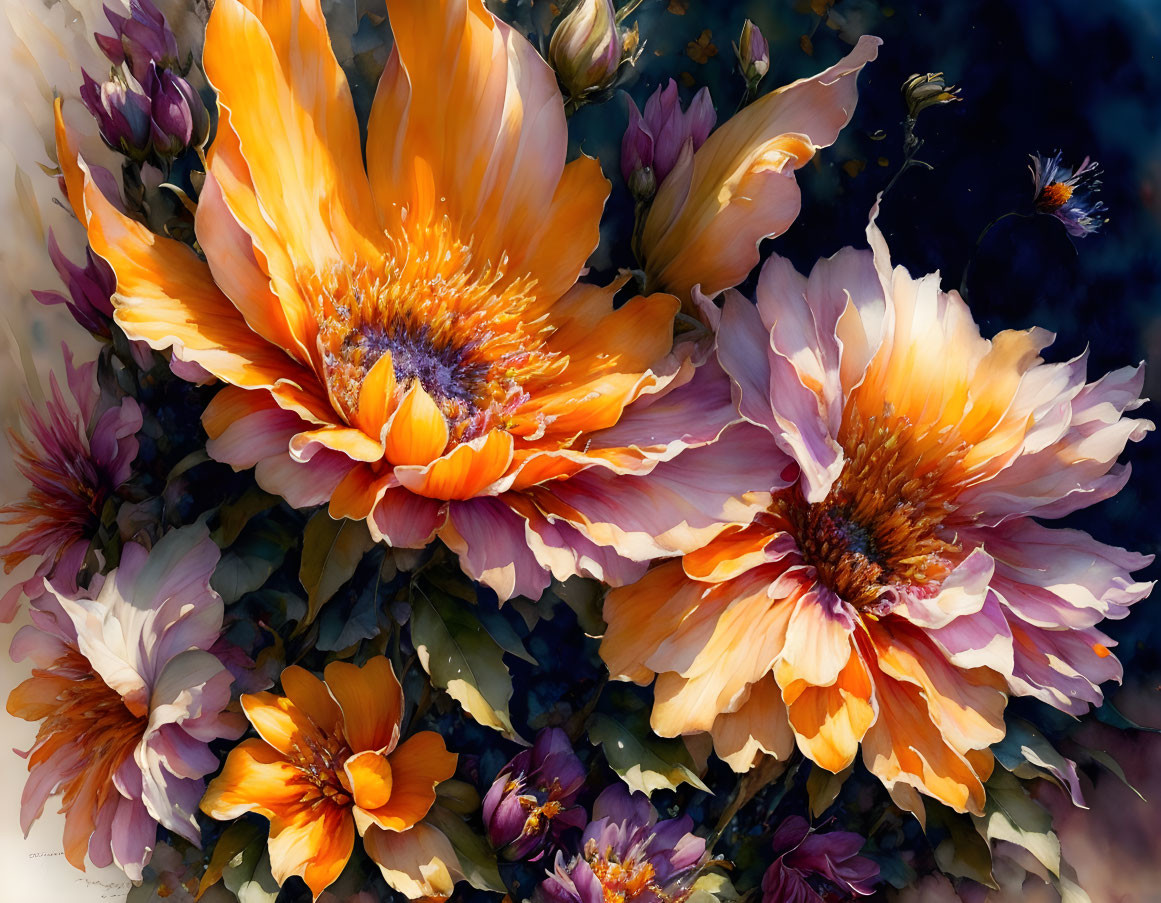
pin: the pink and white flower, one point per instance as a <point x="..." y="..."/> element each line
<point x="128" y="698"/>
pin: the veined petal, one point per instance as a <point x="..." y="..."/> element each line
<point x="708" y="218"/>
<point x="464" y="472"/>
<point x="166" y="296"/>
<point x="474" y="126"/>
<point x="292" y="78"/>
<point x="417" y="766"/>
<point x="371" y="700"/>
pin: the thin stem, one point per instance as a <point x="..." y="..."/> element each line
<point x="963" y="289"/>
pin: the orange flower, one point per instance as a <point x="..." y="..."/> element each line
<point x="328" y="762"/>
<point x="407" y="341"/>
<point x="898" y="592"/>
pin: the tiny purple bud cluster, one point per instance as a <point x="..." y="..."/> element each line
<point x="533" y="800"/>
<point x="146" y="107"/>
<point x="655" y="142"/>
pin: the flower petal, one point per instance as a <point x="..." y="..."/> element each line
<point x="708" y="217"/>
<point x="417" y="765"/>
<point x="371" y="700"/>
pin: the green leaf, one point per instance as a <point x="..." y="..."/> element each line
<point x="331" y="550"/>
<point x="462" y="658"/>
<point x="233" y="841"/>
<point x="644" y="761"/>
<point x="585" y="598"/>
<point x="1110" y="714"/>
<point x="503" y="633"/>
<point x="713" y="887"/>
<point x="251" y="560"/>
<point x="233" y="516"/>
<point x="247" y="875"/>
<point x="823" y="787"/>
<point x="961" y="850"/>
<point x="473" y="851"/>
<point x="1011" y="814"/>
<point x="1106" y="760"/>
<point x="1026" y="753"/>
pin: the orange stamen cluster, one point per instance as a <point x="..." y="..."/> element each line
<point x="622" y="881"/>
<point x="320" y="757"/>
<point x="879" y="526"/>
<point x="1054" y="196"/>
<point x="462" y="329"/>
<point x="88" y="714"/>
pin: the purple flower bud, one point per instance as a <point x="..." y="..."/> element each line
<point x="90" y="289"/>
<point x="813" y="868"/>
<point x="587" y="49"/>
<point x="141" y="38"/>
<point x="179" y="118"/>
<point x="122" y="114"/>
<point x="672" y="127"/>
<point x="637" y="156"/>
<point x="531" y="803"/>
<point x="753" y="53"/>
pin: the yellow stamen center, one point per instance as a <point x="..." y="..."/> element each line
<point x="464" y="330"/>
<point x="879" y="525"/>
<point x="1054" y="196"/>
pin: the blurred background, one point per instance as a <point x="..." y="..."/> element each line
<point x="1036" y="77"/>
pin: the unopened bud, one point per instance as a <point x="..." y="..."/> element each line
<point x="587" y="49"/>
<point x="929" y="90"/>
<point x="179" y="118"/>
<point x="753" y="54"/>
<point x="141" y="38"/>
<point x="90" y="289"/>
<point x="637" y="156"/>
<point x="671" y="127"/>
<point x="122" y="114"/>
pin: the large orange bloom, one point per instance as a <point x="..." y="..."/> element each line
<point x="328" y="762"/>
<point x="901" y="589"/>
<point x="406" y="341"/>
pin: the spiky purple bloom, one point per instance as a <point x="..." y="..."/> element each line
<point x="628" y="855"/>
<point x="1068" y="195"/>
<point x="659" y="138"/>
<point x="533" y="800"/>
<point x="141" y="38"/>
<point x="817" y="868"/>
<point x="90" y="289"/>
<point x="75" y="454"/>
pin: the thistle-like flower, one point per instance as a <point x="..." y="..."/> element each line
<point x="533" y="800"/>
<point x="653" y="143"/>
<point x="122" y="111"/>
<point x="1069" y="195"/>
<point x="178" y="117"/>
<point x="75" y="453"/>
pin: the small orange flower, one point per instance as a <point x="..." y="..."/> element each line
<point x="328" y="762"/>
